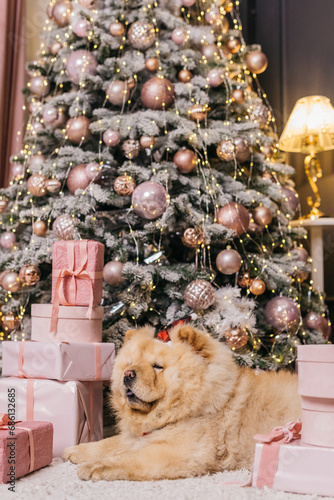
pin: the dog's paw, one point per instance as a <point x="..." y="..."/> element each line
<point x="74" y="454"/>
<point x="94" y="471"/>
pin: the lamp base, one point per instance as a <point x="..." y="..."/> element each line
<point x="314" y="214"/>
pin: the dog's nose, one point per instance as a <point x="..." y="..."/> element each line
<point x="129" y="376"/>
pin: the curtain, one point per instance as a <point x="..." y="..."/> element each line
<point x="12" y="81"/>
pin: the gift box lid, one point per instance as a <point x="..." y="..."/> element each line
<point x="323" y="353"/>
<point x="66" y="312"/>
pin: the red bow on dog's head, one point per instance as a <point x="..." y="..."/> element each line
<point x="164" y="336"/>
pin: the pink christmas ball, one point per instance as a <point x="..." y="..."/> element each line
<point x="149" y="200"/>
<point x="39" y="86"/>
<point x="215" y="77"/>
<point x="36" y="163"/>
<point x="213" y="15"/>
<point x="61" y="120"/>
<point x="112" y="272"/>
<point x="282" y="313"/>
<point x="111" y="137"/>
<point x="188" y="3"/>
<point x="180" y="35"/>
<point x="118" y="92"/>
<point x="61" y="13"/>
<point x="7" y="240"/>
<point x="50" y="115"/>
<point x="80" y="64"/>
<point x="94" y="171"/>
<point x="82" y="27"/>
<point x="17" y="171"/>
<point x="37" y="127"/>
<point x="77" y="178"/>
<point x="209" y="51"/>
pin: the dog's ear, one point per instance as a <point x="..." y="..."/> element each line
<point x="146" y="331"/>
<point x="129" y="334"/>
<point x="199" y="341"/>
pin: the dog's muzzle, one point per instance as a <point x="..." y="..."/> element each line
<point x="129" y="378"/>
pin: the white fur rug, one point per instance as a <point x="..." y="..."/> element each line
<point x="59" y="481"/>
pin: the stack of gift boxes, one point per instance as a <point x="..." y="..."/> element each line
<point x="58" y="377"/>
<point x="303" y="463"/>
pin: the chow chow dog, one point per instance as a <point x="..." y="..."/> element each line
<point x="185" y="408"/>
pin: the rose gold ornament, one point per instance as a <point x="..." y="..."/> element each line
<point x="233" y="45"/>
<point x="228" y="261"/>
<point x="35" y="107"/>
<point x="124" y="185"/>
<point x="77" y="129"/>
<point x="53" y="186"/>
<point x="141" y="35"/>
<point x="152" y="64"/>
<point x="234" y="216"/>
<point x="282" y="313"/>
<point x="37" y="185"/>
<point x="302" y="276"/>
<point x="268" y="151"/>
<point x="88" y="4"/>
<point x="3" y="204"/>
<point x="30" y="275"/>
<point x="64" y="227"/>
<point x="10" y="322"/>
<point x="147" y="141"/>
<point x="157" y="93"/>
<point x="236" y="338"/>
<point x="82" y="28"/>
<point x="39" y="86"/>
<point x="80" y="64"/>
<point x="184" y="76"/>
<point x="215" y="77"/>
<point x="199" y="294"/>
<point x="257" y="287"/>
<point x="192" y="237"/>
<point x="61" y="13"/>
<point x="131" y="149"/>
<point x="228" y="6"/>
<point x="10" y="282"/>
<point x="238" y="96"/>
<point x="213" y="15"/>
<point x="180" y="35"/>
<point x="244" y="280"/>
<point x="111" y="137"/>
<point x="209" y="51"/>
<point x="185" y="161"/>
<point x="226" y="150"/>
<point x="131" y="83"/>
<point x="242" y="150"/>
<point x="256" y="62"/>
<point x="290" y="199"/>
<point x="112" y="272"/>
<point x="77" y="178"/>
<point x="188" y="3"/>
<point x="40" y="227"/>
<point x="262" y="215"/>
<point x="149" y="200"/>
<point x="17" y="172"/>
<point x="116" y="29"/>
<point x="118" y="92"/>
<point x="94" y="171"/>
<point x="8" y="240"/>
<point x="55" y="47"/>
<point x="301" y="253"/>
<point x="199" y="112"/>
<point x="36" y="127"/>
<point x="261" y="114"/>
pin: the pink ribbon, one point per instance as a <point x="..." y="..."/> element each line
<point x="98" y="363"/>
<point x="4" y="421"/>
<point x="80" y="273"/>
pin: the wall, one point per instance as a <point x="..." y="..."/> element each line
<point x="36" y="16"/>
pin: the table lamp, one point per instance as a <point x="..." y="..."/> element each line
<point x="310" y="129"/>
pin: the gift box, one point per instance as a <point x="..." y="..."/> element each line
<point x="24" y="447"/>
<point x="58" y="361"/>
<point x="74" y="408"/>
<point x="295" y="468"/>
<point x="73" y="324"/>
<point x="316" y="387"/>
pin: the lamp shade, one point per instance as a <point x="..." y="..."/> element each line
<point x="310" y="127"/>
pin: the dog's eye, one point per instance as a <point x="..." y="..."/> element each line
<point x="158" y="368"/>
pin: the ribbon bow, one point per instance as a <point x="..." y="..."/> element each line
<point x="164" y="336"/>
<point x="282" y="434"/>
<point x="4" y="421"/>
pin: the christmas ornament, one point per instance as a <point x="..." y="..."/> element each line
<point x="157" y="93"/>
<point x="55" y="48"/>
<point x="290" y="198"/>
<point x="262" y="215"/>
<point x="3" y="204"/>
<point x="111" y="137"/>
<point x="141" y="35"/>
<point x="244" y="280"/>
<point x="152" y="64"/>
<point x="53" y="186"/>
<point x="10" y="282"/>
<point x="198" y="112"/>
<point x="242" y="151"/>
<point x="118" y="92"/>
<point x="192" y="237"/>
<point x="131" y="148"/>
<point x="227" y="5"/>
<point x="268" y="151"/>
<point x="209" y="51"/>
<point x="49" y="9"/>
<point x="61" y="13"/>
<point x="215" y="77"/>
<point x="228" y="261"/>
<point x="213" y="15"/>
<point x="234" y="216"/>
<point x="88" y="4"/>
<point x="36" y="127"/>
<point x="39" y="86"/>
<point x="50" y="115"/>
<point x="184" y="76"/>
<point x="61" y="120"/>
<point x="10" y="322"/>
<point x="112" y="272"/>
<point x="17" y="172"/>
<point x="80" y="64"/>
<point x="233" y="45"/>
<point x="116" y="29"/>
<point x="302" y="254"/>
<point x="8" y="240"/>
<point x="260" y="114"/>
<point x="124" y="185"/>
<point x="35" y="107"/>
<point x="257" y="287"/>
<point x="180" y="35"/>
<point x="77" y="178"/>
<point x="29" y="275"/>
<point x="64" y="227"/>
<point x="199" y="294"/>
<point x="147" y="141"/>
<point x="188" y="3"/>
<point x="301" y="276"/>
<point x="93" y="171"/>
<point x="77" y="129"/>
<point x="39" y="227"/>
<point x="185" y="161"/>
<point x="226" y="150"/>
<point x="37" y="185"/>
<point x="282" y="313"/>
<point x="82" y="27"/>
<point x="149" y="200"/>
<point x="238" y="96"/>
<point x="256" y="62"/>
<point x="255" y="228"/>
<point x="236" y="338"/>
<point x="131" y="83"/>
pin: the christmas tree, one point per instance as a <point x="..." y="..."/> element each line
<point x="149" y="131"/>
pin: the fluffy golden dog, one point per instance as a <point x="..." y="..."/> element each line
<point x="185" y="409"/>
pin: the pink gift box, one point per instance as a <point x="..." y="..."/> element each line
<point x="74" y="408"/>
<point x="298" y="469"/>
<point x="73" y="324"/>
<point x="24" y="447"/>
<point x="316" y="387"/>
<point x="58" y="361"/>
